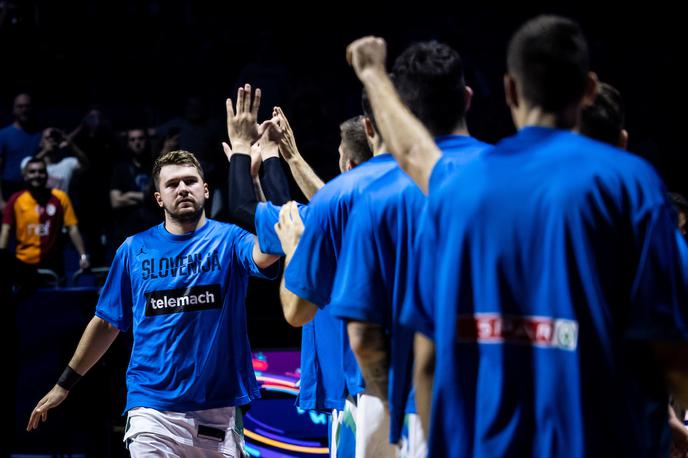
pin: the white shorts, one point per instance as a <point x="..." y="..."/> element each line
<point x="343" y="433"/>
<point x="413" y="443"/>
<point x="372" y="429"/>
<point x="213" y="432"/>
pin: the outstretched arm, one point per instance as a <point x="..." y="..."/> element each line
<point x="309" y="183"/>
<point x="297" y="311"/>
<point x="95" y="341"/>
<point x="405" y="136"/>
<point x="242" y="131"/>
<point x="272" y="178"/>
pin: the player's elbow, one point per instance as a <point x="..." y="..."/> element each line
<point x="297" y="311"/>
<point x="366" y="340"/>
<point x="295" y="317"/>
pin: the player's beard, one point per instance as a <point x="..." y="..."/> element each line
<point x="186" y="216"/>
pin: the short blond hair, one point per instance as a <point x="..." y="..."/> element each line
<point x="179" y="157"/>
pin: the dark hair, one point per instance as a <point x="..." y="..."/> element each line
<point x="35" y="160"/>
<point x="678" y="202"/>
<point x="548" y="56"/>
<point x="355" y="140"/>
<point x="429" y="78"/>
<point x="178" y="157"/>
<point x="604" y="119"/>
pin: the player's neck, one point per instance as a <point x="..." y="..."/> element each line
<point x="180" y="227"/>
<point x="380" y="148"/>
<point x="535" y="116"/>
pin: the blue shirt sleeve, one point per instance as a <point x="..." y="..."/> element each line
<point x="115" y="302"/>
<point x="359" y="292"/>
<point x="310" y="274"/>
<point x="267" y="215"/>
<point x="659" y="296"/>
<point x="417" y="309"/>
<point x="243" y="252"/>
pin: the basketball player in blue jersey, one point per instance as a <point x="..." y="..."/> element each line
<point x="322" y="384"/>
<point x="549" y="315"/>
<point x="373" y="271"/>
<point x="310" y="269"/>
<point x="180" y="286"/>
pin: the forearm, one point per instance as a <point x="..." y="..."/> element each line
<point x="120" y="200"/>
<point x="423" y="378"/>
<point x="404" y="135"/>
<point x="262" y="260"/>
<point x="242" y="199"/>
<point x="297" y="311"/>
<point x="42" y="153"/>
<point x="369" y="345"/>
<point x="306" y="179"/>
<point x="274" y="181"/>
<point x="95" y="341"/>
<point x="78" y="242"/>
<point x="80" y="155"/>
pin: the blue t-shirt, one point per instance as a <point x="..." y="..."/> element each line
<point x="184" y="296"/>
<point x="15" y="145"/>
<point x="322" y="384"/>
<point x="558" y="259"/>
<point x="311" y="272"/>
<point x="267" y="215"/>
<point x="373" y="271"/>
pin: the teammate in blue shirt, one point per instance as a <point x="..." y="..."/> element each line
<point x="180" y="287"/>
<point x="373" y="271"/>
<point x="560" y="286"/>
<point x="322" y="384"/>
<point x="310" y="269"/>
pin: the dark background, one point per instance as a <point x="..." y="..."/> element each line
<point x="138" y="61"/>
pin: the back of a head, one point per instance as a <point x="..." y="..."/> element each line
<point x="548" y="56"/>
<point x="604" y="119"/>
<point x="429" y="78"/>
<point x="354" y="140"/>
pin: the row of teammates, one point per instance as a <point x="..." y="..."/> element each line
<point x="456" y="298"/>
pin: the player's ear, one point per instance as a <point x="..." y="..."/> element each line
<point x="158" y="198"/>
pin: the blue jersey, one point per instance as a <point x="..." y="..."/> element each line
<point x="373" y="271"/>
<point x="558" y="259"/>
<point x="322" y="384"/>
<point x="267" y="215"/>
<point x="312" y="269"/>
<point x="184" y="297"/>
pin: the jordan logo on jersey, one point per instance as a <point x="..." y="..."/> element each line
<point x="182" y="300"/>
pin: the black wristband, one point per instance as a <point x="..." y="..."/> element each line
<point x="68" y="378"/>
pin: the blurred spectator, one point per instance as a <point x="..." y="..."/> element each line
<point x="18" y="140"/>
<point x="128" y="185"/>
<point x="63" y="157"/>
<point x="37" y="215"/>
<point x="90" y="191"/>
